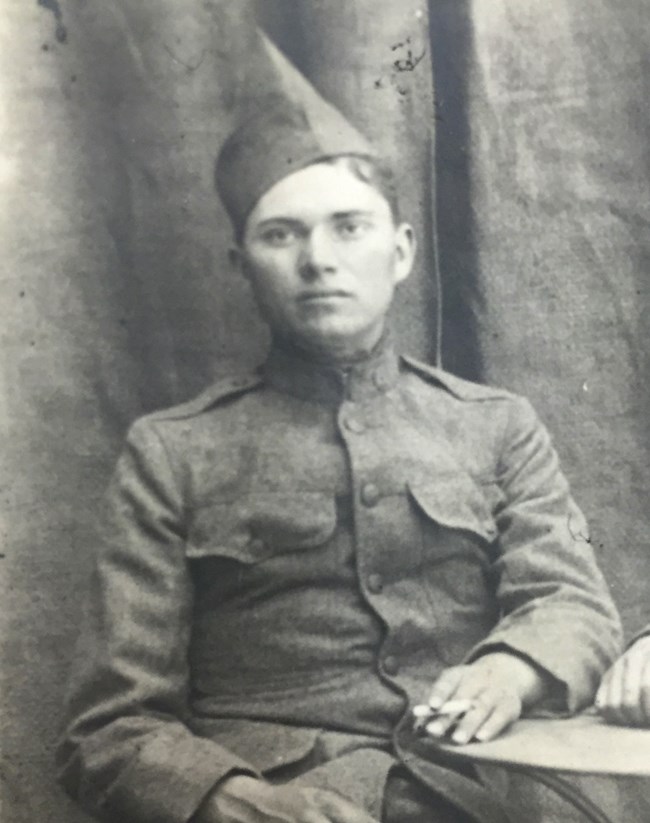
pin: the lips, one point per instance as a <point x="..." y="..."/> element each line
<point x="322" y="295"/>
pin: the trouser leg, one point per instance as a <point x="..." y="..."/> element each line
<point x="407" y="801"/>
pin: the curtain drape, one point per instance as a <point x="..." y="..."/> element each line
<point x="116" y="292"/>
<point x="543" y="129"/>
<point x="544" y="214"/>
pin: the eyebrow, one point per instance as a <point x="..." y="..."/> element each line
<point x="279" y="219"/>
<point x="342" y="215"/>
<point x="338" y="215"/>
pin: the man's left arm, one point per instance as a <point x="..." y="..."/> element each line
<point x="559" y="629"/>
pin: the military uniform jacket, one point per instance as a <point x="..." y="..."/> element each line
<point x="289" y="561"/>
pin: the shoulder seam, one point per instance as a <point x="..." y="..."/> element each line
<point x="224" y="388"/>
<point x="458" y="386"/>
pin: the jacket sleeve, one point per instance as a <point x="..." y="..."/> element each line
<point x="555" y="605"/>
<point x="127" y="754"/>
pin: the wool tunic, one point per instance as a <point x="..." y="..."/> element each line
<point x="287" y="563"/>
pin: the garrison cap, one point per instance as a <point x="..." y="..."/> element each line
<point x="285" y="129"/>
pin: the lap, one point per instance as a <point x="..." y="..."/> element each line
<point x="368" y="773"/>
<point x="407" y="801"/>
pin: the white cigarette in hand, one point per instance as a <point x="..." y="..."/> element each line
<point x="451" y="707"/>
<point x="423" y="713"/>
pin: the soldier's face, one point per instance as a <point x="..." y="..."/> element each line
<point x="324" y="255"/>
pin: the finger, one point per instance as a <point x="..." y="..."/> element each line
<point x="473" y="720"/>
<point x="601" y="695"/>
<point x="619" y="699"/>
<point x="441" y="725"/>
<point x="445" y="686"/>
<point x="645" y="693"/>
<point x="631" y="708"/>
<point x="503" y="716"/>
<point x="611" y="706"/>
<point x="469" y="690"/>
<point x="469" y="685"/>
<point x="450" y="713"/>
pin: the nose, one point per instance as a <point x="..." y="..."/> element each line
<point x="318" y="254"/>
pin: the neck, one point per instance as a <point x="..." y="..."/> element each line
<point x="321" y="378"/>
<point x="341" y="353"/>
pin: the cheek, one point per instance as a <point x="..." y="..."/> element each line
<point x="272" y="274"/>
<point x="375" y="268"/>
<point x="380" y="254"/>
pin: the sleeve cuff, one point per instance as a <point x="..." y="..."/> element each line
<point x="576" y="671"/>
<point x="555" y="701"/>
<point x="169" y="779"/>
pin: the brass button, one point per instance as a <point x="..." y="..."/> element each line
<point x="391" y="665"/>
<point x="380" y="380"/>
<point x="370" y="495"/>
<point x="375" y="583"/>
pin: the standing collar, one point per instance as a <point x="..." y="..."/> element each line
<point x="290" y="370"/>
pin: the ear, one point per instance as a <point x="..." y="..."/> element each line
<point x="405" y="248"/>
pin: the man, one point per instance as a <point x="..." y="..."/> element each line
<point x="292" y="561"/>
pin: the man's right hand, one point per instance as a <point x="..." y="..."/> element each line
<point x="244" y="799"/>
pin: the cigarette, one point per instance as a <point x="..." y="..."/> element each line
<point x="455" y="707"/>
<point x="424" y="712"/>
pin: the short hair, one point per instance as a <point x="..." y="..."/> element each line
<point x="371" y="170"/>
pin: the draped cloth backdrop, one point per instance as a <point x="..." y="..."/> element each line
<point x="117" y="296"/>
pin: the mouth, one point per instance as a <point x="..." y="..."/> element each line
<point x="323" y="296"/>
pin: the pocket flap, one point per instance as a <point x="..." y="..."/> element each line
<point x="256" y="526"/>
<point x="457" y="502"/>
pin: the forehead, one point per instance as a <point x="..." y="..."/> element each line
<point x="318" y="191"/>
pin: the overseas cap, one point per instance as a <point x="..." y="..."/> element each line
<point x="288" y="128"/>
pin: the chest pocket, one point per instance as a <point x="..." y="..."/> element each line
<point x="258" y="526"/>
<point x="458" y="502"/>
<point x="459" y="535"/>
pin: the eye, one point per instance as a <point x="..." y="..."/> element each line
<point x="278" y="236"/>
<point x="352" y="228"/>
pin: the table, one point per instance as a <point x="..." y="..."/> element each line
<point x="584" y="745"/>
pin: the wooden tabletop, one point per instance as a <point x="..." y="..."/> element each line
<point x="584" y="744"/>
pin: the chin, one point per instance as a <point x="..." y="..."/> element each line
<point x="337" y="337"/>
<point x="337" y="330"/>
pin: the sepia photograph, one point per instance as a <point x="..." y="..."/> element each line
<point x="326" y="411"/>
